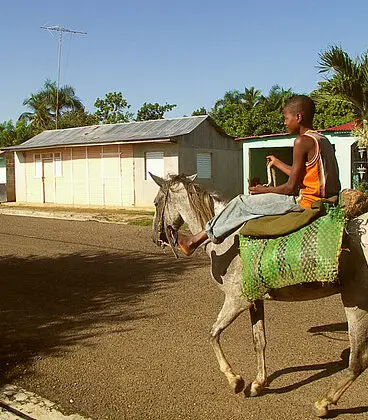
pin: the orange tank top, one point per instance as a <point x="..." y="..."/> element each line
<point x="321" y="178"/>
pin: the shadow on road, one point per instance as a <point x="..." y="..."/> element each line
<point x="326" y="369"/>
<point x="338" y="411"/>
<point x="50" y="304"/>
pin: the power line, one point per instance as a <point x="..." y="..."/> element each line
<point x="60" y="29"/>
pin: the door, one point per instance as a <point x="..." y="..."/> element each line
<point x="48" y="180"/>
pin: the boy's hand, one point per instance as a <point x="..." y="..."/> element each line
<point x="271" y="160"/>
<point x="259" y="189"/>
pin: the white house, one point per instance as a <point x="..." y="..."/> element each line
<point x="108" y="165"/>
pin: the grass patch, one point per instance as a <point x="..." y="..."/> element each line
<point x="140" y="222"/>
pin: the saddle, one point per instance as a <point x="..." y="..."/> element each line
<point x="353" y="203"/>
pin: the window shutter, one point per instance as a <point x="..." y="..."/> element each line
<point x="154" y="164"/>
<point x="204" y="165"/>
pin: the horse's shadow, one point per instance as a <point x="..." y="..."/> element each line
<point x="326" y="369"/>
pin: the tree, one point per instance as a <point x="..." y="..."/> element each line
<point x="250" y="113"/>
<point x="149" y="111"/>
<point x="77" y="118"/>
<point x="346" y="82"/>
<point x="48" y="105"/>
<point x="252" y="97"/>
<point x="331" y="113"/>
<point x="11" y="135"/>
<point x="112" y="109"/>
<point x="200" y="111"/>
<point x="277" y="98"/>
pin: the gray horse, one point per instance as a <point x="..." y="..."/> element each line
<point x="180" y="201"/>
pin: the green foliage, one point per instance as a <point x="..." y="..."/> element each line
<point x="77" y="118"/>
<point x="250" y="113"/>
<point x="11" y="135"/>
<point x="49" y="104"/>
<point x="347" y="80"/>
<point x="363" y="187"/>
<point x="200" y="111"/>
<point x="331" y="113"/>
<point x="155" y="111"/>
<point x="112" y="109"/>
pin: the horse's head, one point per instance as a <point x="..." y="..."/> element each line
<point x="171" y="205"/>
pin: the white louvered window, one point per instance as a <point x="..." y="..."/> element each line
<point x="204" y="165"/>
<point x="58" y="168"/>
<point x="38" y="166"/>
<point x="154" y="163"/>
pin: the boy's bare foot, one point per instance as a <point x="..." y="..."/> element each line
<point x="184" y="242"/>
<point x="187" y="244"/>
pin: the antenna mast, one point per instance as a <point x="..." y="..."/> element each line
<point x="60" y="29"/>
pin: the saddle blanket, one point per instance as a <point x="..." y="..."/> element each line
<point x="310" y="254"/>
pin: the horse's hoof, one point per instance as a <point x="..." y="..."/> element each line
<point x="253" y="389"/>
<point x="237" y="383"/>
<point x="321" y="408"/>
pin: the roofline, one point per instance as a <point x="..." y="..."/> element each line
<point x="67" y="146"/>
<point x="265" y="136"/>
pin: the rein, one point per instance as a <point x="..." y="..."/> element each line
<point x="162" y="227"/>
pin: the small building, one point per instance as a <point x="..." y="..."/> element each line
<point x="255" y="150"/>
<point x="109" y="165"/>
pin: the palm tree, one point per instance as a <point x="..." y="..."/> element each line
<point x="251" y="97"/>
<point x="49" y="103"/>
<point x="348" y="84"/>
<point x="276" y="99"/>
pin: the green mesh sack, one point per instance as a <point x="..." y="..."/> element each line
<point x="308" y="255"/>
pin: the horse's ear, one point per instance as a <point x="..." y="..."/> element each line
<point x="159" y="181"/>
<point x="192" y="177"/>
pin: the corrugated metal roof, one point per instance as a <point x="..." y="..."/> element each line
<point x="343" y="127"/>
<point x="111" y="133"/>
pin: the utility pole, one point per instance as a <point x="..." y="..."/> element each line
<point x="60" y="29"/>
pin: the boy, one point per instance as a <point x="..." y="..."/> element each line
<point x="314" y="174"/>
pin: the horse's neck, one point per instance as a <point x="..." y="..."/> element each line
<point x="218" y="206"/>
<point x="191" y="220"/>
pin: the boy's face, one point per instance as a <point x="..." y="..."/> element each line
<point x="292" y="121"/>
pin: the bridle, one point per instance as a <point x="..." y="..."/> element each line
<point x="162" y="226"/>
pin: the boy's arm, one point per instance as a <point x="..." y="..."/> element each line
<point x="302" y="146"/>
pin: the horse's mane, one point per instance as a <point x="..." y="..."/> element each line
<point x="201" y="200"/>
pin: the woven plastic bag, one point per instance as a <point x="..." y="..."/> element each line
<point x="308" y="255"/>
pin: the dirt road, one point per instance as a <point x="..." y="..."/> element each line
<point x="96" y="318"/>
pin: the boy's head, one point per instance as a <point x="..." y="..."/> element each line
<point x="299" y="112"/>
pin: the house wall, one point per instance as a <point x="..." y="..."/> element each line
<point x="90" y="176"/>
<point x="145" y="188"/>
<point x="341" y="141"/>
<point x="2" y="177"/>
<point x="226" y="158"/>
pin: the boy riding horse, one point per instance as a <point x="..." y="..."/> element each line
<point x="313" y="175"/>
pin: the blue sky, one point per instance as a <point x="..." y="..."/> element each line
<point x="187" y="53"/>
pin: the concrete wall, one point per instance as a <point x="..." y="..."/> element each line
<point x="2" y="177"/>
<point x="10" y="176"/>
<point x="90" y="176"/>
<point x="226" y="159"/>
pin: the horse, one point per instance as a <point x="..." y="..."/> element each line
<point x="180" y="200"/>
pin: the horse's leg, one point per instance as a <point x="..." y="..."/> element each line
<point x="259" y="341"/>
<point x="231" y="309"/>
<point x="358" y="361"/>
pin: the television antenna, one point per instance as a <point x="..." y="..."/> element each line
<point x="60" y="29"/>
